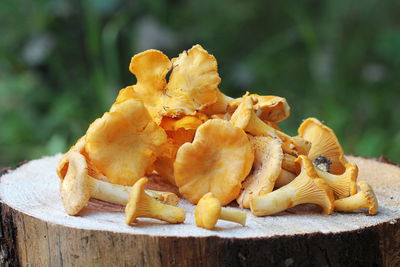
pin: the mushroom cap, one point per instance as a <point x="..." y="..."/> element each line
<point x="123" y="144"/>
<point x="62" y="166"/>
<point x="77" y="186"/>
<point x="164" y="164"/>
<point x="207" y="211"/>
<point x="150" y="68"/>
<point x="132" y="209"/>
<point x="267" y="163"/>
<point x="179" y="131"/>
<point x="218" y="160"/>
<point x="192" y="85"/>
<point x="268" y="108"/>
<point x="370" y="196"/>
<point x="323" y="143"/>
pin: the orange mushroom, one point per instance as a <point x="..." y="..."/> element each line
<point x="218" y="160"/>
<point x="78" y="187"/>
<point x="142" y="205"/>
<point x="208" y="212"/>
<point x="124" y="143"/>
<point x="192" y="85"/>
<point x="343" y="185"/>
<point x="268" y="108"/>
<point x="364" y="199"/>
<point x="305" y="188"/>
<point x="323" y="143"/>
<point x="62" y="166"/>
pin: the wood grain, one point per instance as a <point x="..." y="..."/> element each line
<point x="36" y="232"/>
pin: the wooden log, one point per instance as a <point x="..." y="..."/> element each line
<point x="35" y="231"/>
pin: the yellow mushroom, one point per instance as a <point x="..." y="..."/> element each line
<point x="245" y="118"/>
<point x="142" y="205"/>
<point x="305" y="188"/>
<point x="218" y="160"/>
<point x="268" y="108"/>
<point x="62" y="166"/>
<point x="179" y="131"/>
<point x="266" y="169"/>
<point x="365" y="198"/>
<point x="208" y="212"/>
<point x="324" y="143"/>
<point x="78" y="187"/>
<point x="124" y="143"/>
<point x="192" y="86"/>
<point x="343" y="185"/>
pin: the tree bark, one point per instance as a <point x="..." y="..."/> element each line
<point x="33" y="241"/>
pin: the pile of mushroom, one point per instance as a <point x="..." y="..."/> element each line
<point x="206" y="147"/>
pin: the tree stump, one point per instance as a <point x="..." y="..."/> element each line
<point x="36" y="231"/>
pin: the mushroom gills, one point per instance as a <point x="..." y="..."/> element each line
<point x="364" y="199"/>
<point x="305" y="188"/>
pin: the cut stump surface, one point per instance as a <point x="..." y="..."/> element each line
<point x="35" y="230"/>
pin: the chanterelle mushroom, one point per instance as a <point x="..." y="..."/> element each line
<point x="78" y="187"/>
<point x="62" y="166"/>
<point x="209" y="210"/>
<point x="245" y="118"/>
<point x="266" y="169"/>
<point x="324" y="143"/>
<point x="179" y="131"/>
<point x="124" y="143"/>
<point x="305" y="188"/>
<point x="343" y="185"/>
<point x="192" y="85"/>
<point x="218" y="160"/>
<point x="364" y="199"/>
<point x="142" y="205"/>
<point x="268" y="108"/>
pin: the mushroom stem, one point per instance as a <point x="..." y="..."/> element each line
<point x="113" y="193"/>
<point x="364" y="199"/>
<point x="151" y="208"/>
<point x="353" y="202"/>
<point x="305" y="188"/>
<point x="119" y="194"/>
<point x="142" y="205"/>
<point x="233" y="216"/>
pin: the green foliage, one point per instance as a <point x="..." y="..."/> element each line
<point x="63" y="62"/>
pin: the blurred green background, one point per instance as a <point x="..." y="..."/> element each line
<point x="63" y="62"/>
